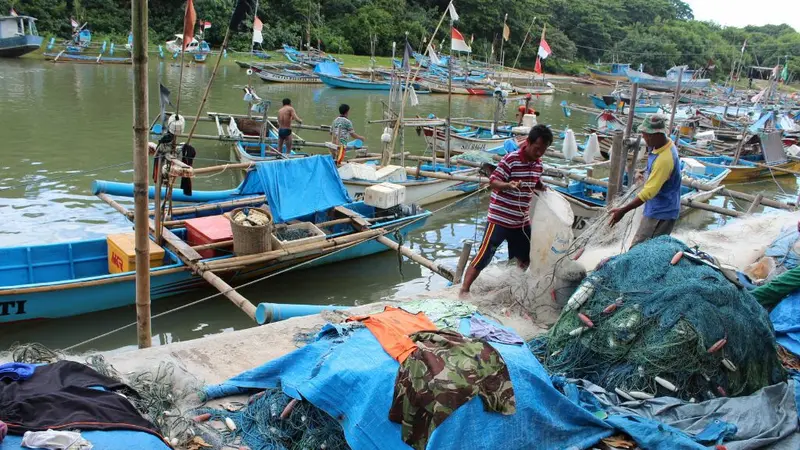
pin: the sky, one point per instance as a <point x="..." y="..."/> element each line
<point x="740" y="13"/>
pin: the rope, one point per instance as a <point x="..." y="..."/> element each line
<point x="399" y="238"/>
<point x="258" y="280"/>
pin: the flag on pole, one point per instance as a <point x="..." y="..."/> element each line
<point x="12" y="12"/>
<point x="451" y="8"/>
<point x="206" y="25"/>
<point x="744" y="46"/>
<point x="189" y="19"/>
<point x="458" y="43"/>
<point x="544" y="48"/>
<point x="785" y="73"/>
<point x="74" y="23"/>
<point x="538" y="67"/>
<point x="257" y="27"/>
<point x="471" y="39"/>
<point x="506" y="30"/>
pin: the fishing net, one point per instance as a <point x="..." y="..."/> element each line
<point x="474" y="157"/>
<point x="269" y="422"/>
<point x="644" y="318"/>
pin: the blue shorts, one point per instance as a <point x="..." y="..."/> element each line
<point x="284" y="132"/>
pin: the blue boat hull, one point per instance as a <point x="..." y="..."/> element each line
<point x="75" y="297"/>
<point x="19" y="45"/>
<point x="350" y="83"/>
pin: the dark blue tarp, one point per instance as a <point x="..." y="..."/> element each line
<point x="328" y="68"/>
<point x="353" y="381"/>
<point x="297" y="187"/>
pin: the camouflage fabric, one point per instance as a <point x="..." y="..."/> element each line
<point x="445" y="372"/>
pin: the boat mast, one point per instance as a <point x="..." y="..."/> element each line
<point x="308" y="28"/>
<point x="449" y="100"/>
<point x="524" y="41"/>
<point x="502" y="41"/>
<point x="140" y="215"/>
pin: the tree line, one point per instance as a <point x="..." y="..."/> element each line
<point x="655" y="33"/>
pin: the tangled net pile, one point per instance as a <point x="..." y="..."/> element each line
<point x="664" y="322"/>
<point x="259" y="425"/>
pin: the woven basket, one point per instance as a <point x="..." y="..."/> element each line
<point x="251" y="239"/>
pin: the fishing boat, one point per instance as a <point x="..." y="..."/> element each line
<point x="744" y="170"/>
<point x="201" y="54"/>
<point x="86" y="58"/>
<point x="440" y="87"/>
<point x="175" y="46"/>
<point x="73" y="278"/>
<point x="80" y="50"/>
<point x="419" y="190"/>
<point x="535" y="89"/>
<point x="287" y="76"/>
<point x="589" y="200"/>
<point x="353" y="82"/>
<point x="619" y="72"/>
<point x="311" y="58"/>
<point x="670" y="82"/>
<point x="18" y="36"/>
<point x="471" y="140"/>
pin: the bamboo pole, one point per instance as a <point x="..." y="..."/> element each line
<point x="524" y="41"/>
<point x="712" y="208"/>
<point x="157" y="199"/>
<point x="631" y="111"/>
<point x="119" y="208"/>
<point x="228" y="291"/>
<point x="463" y="259"/>
<point x="446" y="176"/>
<point x="140" y="153"/>
<point x="448" y="123"/>
<point x="675" y="101"/>
<point x="422" y="261"/>
<point x="617" y="167"/>
<point x="756" y="202"/>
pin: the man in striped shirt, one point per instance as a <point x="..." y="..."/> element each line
<point x="513" y="183"/>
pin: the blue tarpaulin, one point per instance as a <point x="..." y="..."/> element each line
<point x="297" y="187"/>
<point x="353" y="381"/>
<point x="786" y="321"/>
<point x="105" y="440"/>
<point x="328" y="68"/>
<point x="782" y="248"/>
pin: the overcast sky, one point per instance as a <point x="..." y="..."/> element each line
<point x="740" y="13"/>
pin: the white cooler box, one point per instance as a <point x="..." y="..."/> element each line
<point x="694" y="166"/>
<point x="385" y="195"/>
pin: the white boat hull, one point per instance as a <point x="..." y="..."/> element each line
<point x="422" y="192"/>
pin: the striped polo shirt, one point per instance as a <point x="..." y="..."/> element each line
<point x="510" y="208"/>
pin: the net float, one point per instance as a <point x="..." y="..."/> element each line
<point x="666" y="384"/>
<point x="676" y="258"/>
<point x="586" y="320"/>
<point x="718" y="345"/>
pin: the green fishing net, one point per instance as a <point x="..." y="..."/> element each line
<point x="651" y="319"/>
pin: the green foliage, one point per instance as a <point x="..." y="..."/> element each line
<point x="655" y="33"/>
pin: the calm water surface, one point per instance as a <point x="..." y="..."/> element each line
<point x="64" y="125"/>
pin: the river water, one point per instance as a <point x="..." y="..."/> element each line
<point x="64" y="125"/>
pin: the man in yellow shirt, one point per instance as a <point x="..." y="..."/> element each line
<point x="661" y="194"/>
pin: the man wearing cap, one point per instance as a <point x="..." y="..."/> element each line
<point x="661" y="194"/>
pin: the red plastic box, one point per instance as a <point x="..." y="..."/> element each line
<point x="208" y="230"/>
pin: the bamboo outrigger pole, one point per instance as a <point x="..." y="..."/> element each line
<point x="140" y="172"/>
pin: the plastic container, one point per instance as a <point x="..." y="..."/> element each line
<point x="391" y="174"/>
<point x="275" y="312"/>
<point x="317" y="235"/>
<point x="208" y="230"/>
<point x="122" y="253"/>
<point x="691" y="165"/>
<point x="384" y="195"/>
<point x="357" y="171"/>
<point x="529" y="120"/>
<point x="250" y="239"/>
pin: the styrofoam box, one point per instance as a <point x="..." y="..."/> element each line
<point x="385" y="195"/>
<point x="358" y="171"/>
<point x="529" y="120"/>
<point x="692" y="165"/>
<point x="318" y="235"/>
<point x="391" y="174"/>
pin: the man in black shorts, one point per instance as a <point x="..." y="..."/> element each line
<point x="285" y="116"/>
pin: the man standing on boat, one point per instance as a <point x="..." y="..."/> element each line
<point x="513" y="182"/>
<point x="525" y="109"/>
<point x="661" y="194"/>
<point x="285" y="117"/>
<point x="341" y="131"/>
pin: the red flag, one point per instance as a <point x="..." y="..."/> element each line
<point x="538" y="67"/>
<point x="188" y="23"/>
<point x="206" y="25"/>
<point x="13" y="13"/>
<point x="458" y="43"/>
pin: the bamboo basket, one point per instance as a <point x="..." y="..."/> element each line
<point x="247" y="239"/>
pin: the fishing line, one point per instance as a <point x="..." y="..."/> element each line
<point x="196" y="302"/>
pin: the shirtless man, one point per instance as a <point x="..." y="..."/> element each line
<point x="285" y="116"/>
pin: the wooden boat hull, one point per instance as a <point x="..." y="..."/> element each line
<point x="461" y="144"/>
<point x="86" y="59"/>
<point x="534" y="90"/>
<point x="17" y="46"/>
<point x="744" y="172"/>
<point x="354" y="83"/>
<point x="275" y="77"/>
<point x="424" y="191"/>
<point x="606" y="76"/>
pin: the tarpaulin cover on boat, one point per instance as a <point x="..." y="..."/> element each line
<point x="328" y="372"/>
<point x="328" y="68"/>
<point x="297" y="187"/>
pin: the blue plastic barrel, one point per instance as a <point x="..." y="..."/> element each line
<point x="275" y="312"/>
